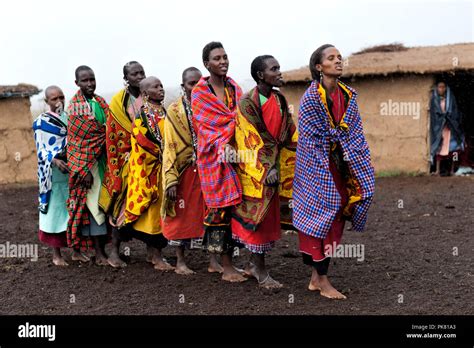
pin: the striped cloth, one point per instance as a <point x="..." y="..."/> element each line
<point x="316" y="199"/>
<point x="215" y="127"/>
<point x="86" y="143"/>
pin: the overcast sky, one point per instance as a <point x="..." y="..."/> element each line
<point x="42" y="42"/>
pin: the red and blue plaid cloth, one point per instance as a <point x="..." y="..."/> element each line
<point x="215" y="126"/>
<point x="86" y="140"/>
<point x="316" y="199"/>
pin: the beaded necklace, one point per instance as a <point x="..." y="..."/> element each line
<point x="154" y="113"/>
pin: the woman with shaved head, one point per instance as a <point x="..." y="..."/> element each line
<point x="50" y="137"/>
<point x="183" y="205"/>
<point x="145" y="189"/>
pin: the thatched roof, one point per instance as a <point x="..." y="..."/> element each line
<point x="20" y="90"/>
<point x="416" y="60"/>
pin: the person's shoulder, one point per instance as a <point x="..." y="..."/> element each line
<point x="173" y="110"/>
<point x="246" y="97"/>
<point x="40" y="117"/>
<point x="101" y="100"/>
<point x="251" y="94"/>
<point x="44" y="114"/>
<point x="200" y="88"/>
<point x="202" y="82"/>
<point x="311" y="91"/>
<point x="279" y="94"/>
<point x="119" y="95"/>
<point x="98" y="97"/>
<point x="74" y="100"/>
<point x="175" y="104"/>
<point x="346" y="88"/>
<point x="233" y="82"/>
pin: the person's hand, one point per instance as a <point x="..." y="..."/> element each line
<point x="59" y="108"/>
<point x="272" y="177"/>
<point x="88" y="180"/>
<point x="112" y="221"/>
<point x="171" y="193"/>
<point x="62" y="166"/>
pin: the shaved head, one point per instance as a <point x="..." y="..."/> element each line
<point x="147" y="82"/>
<point x="152" y="90"/>
<point x="50" y="89"/>
<point x="54" y="97"/>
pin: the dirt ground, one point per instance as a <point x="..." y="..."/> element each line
<point x="419" y="248"/>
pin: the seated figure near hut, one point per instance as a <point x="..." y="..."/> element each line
<point x="445" y="127"/>
<point x="50" y="137"/>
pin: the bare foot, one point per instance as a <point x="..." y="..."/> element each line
<point x="162" y="265"/>
<point x="327" y="290"/>
<point x="264" y="279"/>
<point x="101" y="260"/>
<point x="214" y="269"/>
<point x="77" y="256"/>
<point x="214" y="265"/>
<point x="313" y="287"/>
<point x="59" y="261"/>
<point x="115" y="261"/>
<point x="315" y="282"/>
<point x="250" y="270"/>
<point x="233" y="275"/>
<point x="333" y="294"/>
<point x="270" y="283"/>
<point x="184" y="270"/>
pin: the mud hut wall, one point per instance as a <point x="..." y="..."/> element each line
<point x="293" y="94"/>
<point x="398" y="139"/>
<point x="17" y="147"/>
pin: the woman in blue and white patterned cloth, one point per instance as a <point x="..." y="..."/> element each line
<point x="334" y="177"/>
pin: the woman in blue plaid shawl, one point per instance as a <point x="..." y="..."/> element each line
<point x="334" y="177"/>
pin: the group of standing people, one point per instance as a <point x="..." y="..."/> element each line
<point x="216" y="170"/>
